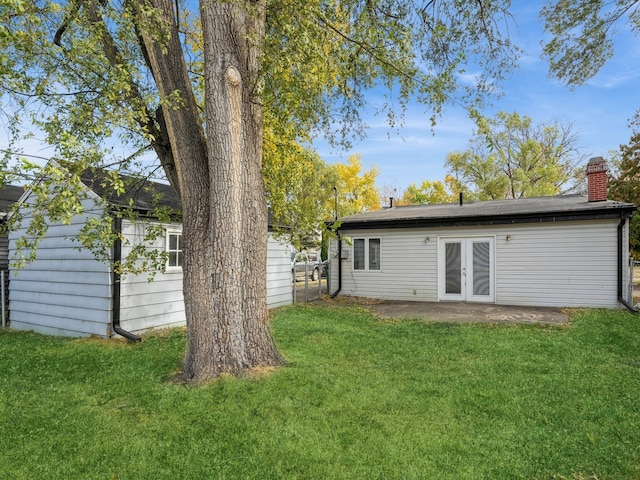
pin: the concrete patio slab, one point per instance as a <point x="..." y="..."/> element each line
<point x="456" y="311"/>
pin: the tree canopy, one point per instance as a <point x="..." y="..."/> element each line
<point x="80" y="68"/>
<point x="76" y="76"/>
<point x="357" y="191"/>
<point x="581" y="35"/>
<point x="511" y="157"/>
<point x="298" y="185"/>
<point x="430" y="192"/>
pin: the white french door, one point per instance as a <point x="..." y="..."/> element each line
<point x="466" y="269"/>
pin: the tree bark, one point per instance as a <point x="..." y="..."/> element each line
<point x="238" y="207"/>
<point x="220" y="182"/>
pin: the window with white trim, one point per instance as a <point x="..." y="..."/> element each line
<point x="174" y="250"/>
<point x="366" y="254"/>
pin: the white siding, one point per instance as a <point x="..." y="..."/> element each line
<point x="565" y="264"/>
<point x="553" y="264"/>
<point x="160" y="303"/>
<point x="64" y="291"/>
<point x="278" y="273"/>
<point x="408" y="267"/>
<point x="144" y="304"/>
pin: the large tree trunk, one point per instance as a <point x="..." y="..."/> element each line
<point x="223" y="198"/>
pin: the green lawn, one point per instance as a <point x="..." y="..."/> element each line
<point x="360" y="399"/>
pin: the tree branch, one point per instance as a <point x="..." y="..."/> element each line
<point x="152" y="126"/>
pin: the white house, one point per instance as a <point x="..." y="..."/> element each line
<point x="66" y="291"/>
<point x="563" y="251"/>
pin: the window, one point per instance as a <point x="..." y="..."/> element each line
<point x="174" y="250"/>
<point x="366" y="254"/>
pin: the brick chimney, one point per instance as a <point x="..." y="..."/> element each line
<point x="597" y="179"/>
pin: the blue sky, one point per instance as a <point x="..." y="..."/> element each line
<point x="599" y="111"/>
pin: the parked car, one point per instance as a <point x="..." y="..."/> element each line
<point x="308" y="262"/>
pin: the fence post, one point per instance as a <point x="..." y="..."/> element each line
<point x="630" y="282"/>
<point x="293" y="278"/>
<point x="306" y="280"/>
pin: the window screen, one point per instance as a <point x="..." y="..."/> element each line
<point x="481" y="269"/>
<point x="453" y="273"/>
<point x="374" y="254"/>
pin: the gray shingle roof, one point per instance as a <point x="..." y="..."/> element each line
<point x="562" y="207"/>
<point x="9" y="194"/>
<point x="144" y="194"/>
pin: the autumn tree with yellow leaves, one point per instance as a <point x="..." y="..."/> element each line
<point x="357" y="191"/>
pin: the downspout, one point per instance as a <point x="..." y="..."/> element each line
<point x="115" y="301"/>
<point x="335" y="294"/>
<point x="623" y="220"/>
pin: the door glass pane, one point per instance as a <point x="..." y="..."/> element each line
<point x="481" y="265"/>
<point x="374" y="254"/>
<point x="453" y="278"/>
<point x="358" y="254"/>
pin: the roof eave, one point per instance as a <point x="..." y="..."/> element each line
<point x="480" y="220"/>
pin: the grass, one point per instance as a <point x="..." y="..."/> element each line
<point x="360" y="398"/>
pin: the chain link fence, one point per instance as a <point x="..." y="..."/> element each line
<point x="311" y="282"/>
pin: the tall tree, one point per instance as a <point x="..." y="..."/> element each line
<point x="299" y="188"/>
<point x="511" y="157"/>
<point x="429" y="192"/>
<point x="624" y="185"/>
<point x="83" y="72"/>
<point x="357" y="190"/>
